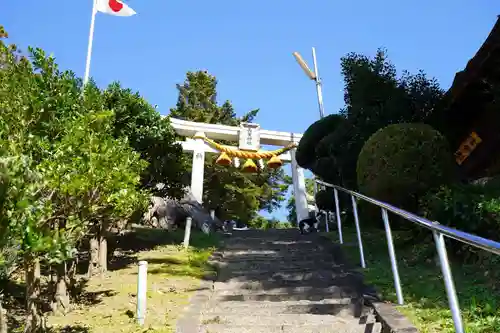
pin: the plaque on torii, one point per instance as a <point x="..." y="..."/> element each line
<point x="249" y="137"/>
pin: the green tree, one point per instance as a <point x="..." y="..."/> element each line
<point x="259" y="222"/>
<point x="62" y="173"/>
<point x="35" y="102"/>
<point x="235" y="195"/>
<point x="151" y="135"/>
<point x="99" y="173"/>
<point x="290" y="206"/>
<point x="374" y="97"/>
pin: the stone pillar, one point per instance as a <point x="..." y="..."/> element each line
<point x="198" y="169"/>
<point x="299" y="189"/>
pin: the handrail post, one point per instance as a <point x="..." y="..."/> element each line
<point x="392" y="254"/>
<point x="142" y="287"/>
<point x="448" y="282"/>
<point x="358" y="230"/>
<point x="327" y="219"/>
<point x="337" y="209"/>
<point x="187" y="231"/>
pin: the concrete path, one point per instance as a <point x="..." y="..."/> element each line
<point x="281" y="281"/>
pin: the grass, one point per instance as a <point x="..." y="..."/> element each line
<point x="426" y="303"/>
<point x="173" y="275"/>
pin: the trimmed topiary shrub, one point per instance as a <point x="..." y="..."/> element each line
<point x="325" y="200"/>
<point x="401" y="163"/>
<point x="306" y="150"/>
<point x="341" y="146"/>
<point x="327" y="169"/>
<point x="331" y="143"/>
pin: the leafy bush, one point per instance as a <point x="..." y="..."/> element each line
<point x="473" y="208"/>
<point x="401" y="162"/>
<point x="306" y="151"/>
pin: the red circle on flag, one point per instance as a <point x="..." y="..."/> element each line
<point x="115" y="5"/>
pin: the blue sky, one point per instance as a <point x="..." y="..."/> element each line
<point x="247" y="45"/>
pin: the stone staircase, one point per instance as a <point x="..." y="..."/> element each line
<point x="281" y="281"/>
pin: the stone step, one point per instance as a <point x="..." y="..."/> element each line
<point x="267" y="247"/>
<point x="231" y="319"/>
<point x="348" y="312"/>
<point x="290" y="241"/>
<point x="249" y="249"/>
<point x="264" y="274"/>
<point x="274" y="305"/>
<point x="279" y="297"/>
<point x="286" y="280"/>
<point x="254" y="267"/>
<point x="310" y="328"/>
<point x="275" y="257"/>
<point x="338" y="308"/>
<point x="270" y="246"/>
<point x="269" y="234"/>
<point x="272" y="238"/>
<point x="301" y="289"/>
<point x="313" y="294"/>
<point x="279" y="258"/>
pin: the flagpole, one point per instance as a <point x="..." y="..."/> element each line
<point x="91" y="39"/>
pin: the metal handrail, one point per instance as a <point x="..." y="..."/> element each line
<point x="464" y="237"/>
<point x="438" y="230"/>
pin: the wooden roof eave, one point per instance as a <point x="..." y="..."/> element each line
<point x="473" y="68"/>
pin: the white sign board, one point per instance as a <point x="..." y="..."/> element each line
<point x="249" y="137"/>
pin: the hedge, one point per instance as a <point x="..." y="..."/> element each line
<point x="402" y="162"/>
<point x="306" y="150"/>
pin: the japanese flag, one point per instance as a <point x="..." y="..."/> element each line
<point x="114" y="7"/>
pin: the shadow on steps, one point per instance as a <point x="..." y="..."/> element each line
<point x="275" y="279"/>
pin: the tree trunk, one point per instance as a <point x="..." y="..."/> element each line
<point x="52" y="286"/>
<point x="93" y="256"/>
<point x="52" y="280"/>
<point x="3" y="320"/>
<point x="103" y="253"/>
<point x="61" y="301"/>
<point x="72" y="279"/>
<point x="98" y="262"/>
<point x="35" y="322"/>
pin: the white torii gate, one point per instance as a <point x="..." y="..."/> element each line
<point x="249" y="136"/>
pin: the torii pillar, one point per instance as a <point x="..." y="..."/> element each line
<point x="299" y="189"/>
<point x="198" y="168"/>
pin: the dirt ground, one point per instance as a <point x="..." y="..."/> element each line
<point x="108" y="302"/>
